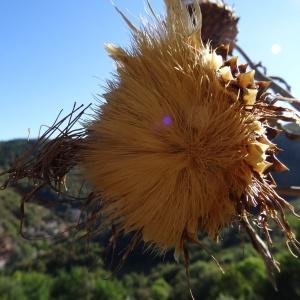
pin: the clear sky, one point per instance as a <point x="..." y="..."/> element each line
<point x="51" y="51"/>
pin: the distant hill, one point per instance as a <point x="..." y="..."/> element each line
<point x="10" y="150"/>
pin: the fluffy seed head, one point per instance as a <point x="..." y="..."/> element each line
<point x="177" y="143"/>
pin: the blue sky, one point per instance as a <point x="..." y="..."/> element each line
<point x="51" y="51"/>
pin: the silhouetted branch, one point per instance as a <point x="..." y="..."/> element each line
<point x="292" y="191"/>
<point x="281" y="80"/>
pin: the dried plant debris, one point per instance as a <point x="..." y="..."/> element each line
<point x="181" y="146"/>
<point x="54" y="154"/>
<point x="47" y="163"/>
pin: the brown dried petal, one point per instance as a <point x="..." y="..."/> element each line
<point x="243" y="68"/>
<point x="246" y="80"/>
<point x="278" y="166"/>
<point x="272" y="132"/>
<point x="232" y="63"/>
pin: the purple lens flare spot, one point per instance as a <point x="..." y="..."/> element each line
<point x="167" y="120"/>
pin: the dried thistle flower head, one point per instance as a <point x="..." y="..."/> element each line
<point x="219" y="24"/>
<point x="181" y="144"/>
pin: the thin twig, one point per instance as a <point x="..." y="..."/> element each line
<point x="281" y="80"/>
<point x="291" y="191"/>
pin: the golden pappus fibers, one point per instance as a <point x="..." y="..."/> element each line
<point x="180" y="144"/>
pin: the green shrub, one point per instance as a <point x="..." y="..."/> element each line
<point x="36" y="286"/>
<point x="11" y="290"/>
<point x="76" y="284"/>
<point x="109" y="290"/>
<point x="160" y="290"/>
